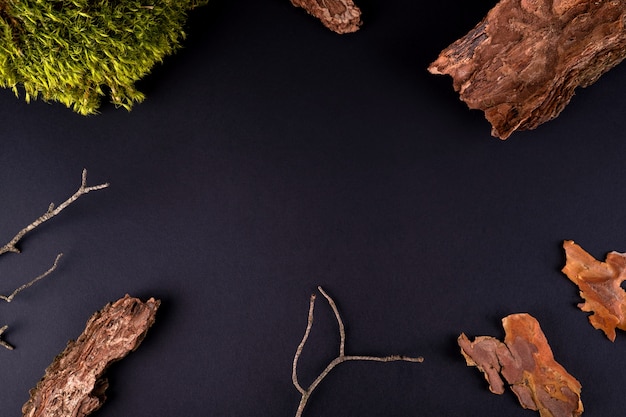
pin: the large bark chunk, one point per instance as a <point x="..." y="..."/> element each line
<point x="341" y="16"/>
<point x="522" y="63"/>
<point x="73" y="384"/>
<point x="600" y="286"/>
<point x="526" y="363"/>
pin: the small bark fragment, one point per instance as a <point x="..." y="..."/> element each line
<point x="600" y="286"/>
<point x="341" y="16"/>
<point x="527" y="364"/>
<point x="523" y="61"/>
<point x="73" y="384"/>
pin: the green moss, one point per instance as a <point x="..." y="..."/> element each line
<point x="77" y="51"/>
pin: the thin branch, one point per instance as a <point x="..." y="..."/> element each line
<point x="52" y="211"/>
<point x="342" y="329"/>
<point x="2" y="342"/>
<point x="306" y="393"/>
<point x="9" y="298"/>
<point x="309" y="325"/>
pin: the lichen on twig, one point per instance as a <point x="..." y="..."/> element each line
<point x="306" y="392"/>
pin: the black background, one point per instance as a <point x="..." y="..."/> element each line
<point x="272" y="156"/>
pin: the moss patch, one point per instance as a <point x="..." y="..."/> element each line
<point x="77" y="51"/>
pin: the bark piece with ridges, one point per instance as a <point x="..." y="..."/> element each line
<point x="523" y="61"/>
<point x="74" y="385"/>
<point x="341" y="16"/>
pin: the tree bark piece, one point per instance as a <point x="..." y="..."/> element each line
<point x="523" y="61"/>
<point x="527" y="364"/>
<point x="600" y="285"/>
<point x="73" y="385"/>
<point x="341" y="16"/>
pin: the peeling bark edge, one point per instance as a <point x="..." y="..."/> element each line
<point x="340" y="16"/>
<point x="523" y="62"/>
<point x="524" y="361"/>
<point x="74" y="384"/>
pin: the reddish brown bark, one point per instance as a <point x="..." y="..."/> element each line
<point x="522" y="63"/>
<point x="525" y="362"/>
<point x="73" y="385"/>
<point x="341" y="16"/>
<point x="600" y="286"/>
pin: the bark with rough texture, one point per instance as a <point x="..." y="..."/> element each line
<point x="523" y="61"/>
<point x="341" y="16"/>
<point x="525" y="362"/>
<point x="73" y="384"/>
<point x="600" y="285"/>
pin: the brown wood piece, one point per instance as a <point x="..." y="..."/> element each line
<point x="525" y="362"/>
<point x="600" y="286"/>
<point x="523" y="61"/>
<point x="341" y="16"/>
<point x="73" y="385"/>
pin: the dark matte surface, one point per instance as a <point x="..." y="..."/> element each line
<point x="272" y="156"/>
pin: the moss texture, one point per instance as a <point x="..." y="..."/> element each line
<point x="77" y="51"/>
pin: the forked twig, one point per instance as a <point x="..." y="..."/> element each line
<point x="306" y="393"/>
<point x="52" y="211"/>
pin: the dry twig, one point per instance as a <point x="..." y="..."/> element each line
<point x="52" y="211"/>
<point x="9" y="298"/>
<point x="306" y="393"/>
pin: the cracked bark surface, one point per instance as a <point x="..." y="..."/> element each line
<point x="522" y="63"/>
<point x="341" y="16"/>
<point x="74" y="385"/>
<point x="526" y="364"/>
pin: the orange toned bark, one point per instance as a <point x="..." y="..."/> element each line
<point x="600" y="286"/>
<point x="525" y="362"/>
<point x="522" y="63"/>
<point x="341" y="16"/>
<point x="73" y="384"/>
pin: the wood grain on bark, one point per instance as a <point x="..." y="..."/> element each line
<point x="523" y="61"/>
<point x="74" y="385"/>
<point x="341" y="16"/>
